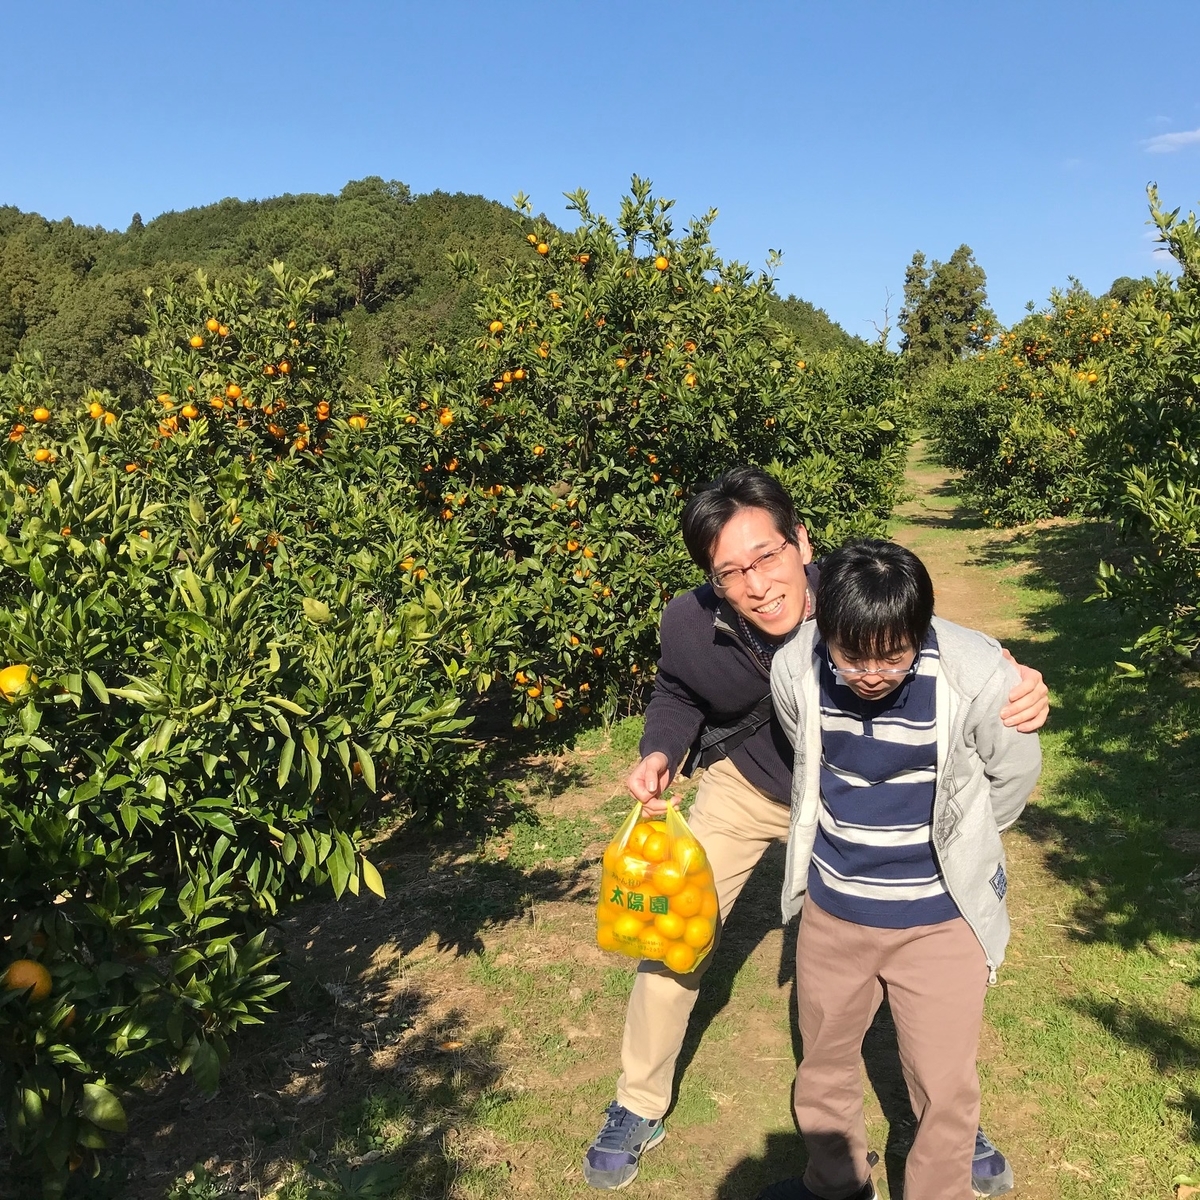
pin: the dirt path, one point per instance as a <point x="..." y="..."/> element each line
<point x="465" y="1032"/>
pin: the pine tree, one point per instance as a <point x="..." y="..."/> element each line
<point x="945" y="313"/>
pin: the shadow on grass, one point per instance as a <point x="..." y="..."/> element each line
<point x="931" y="517"/>
<point x="1174" y="1048"/>
<point x="1118" y="816"/>
<point x="400" y="1083"/>
<point x="754" y="916"/>
<point x="364" y="1082"/>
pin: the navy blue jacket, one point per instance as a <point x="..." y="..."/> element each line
<point x="707" y="676"/>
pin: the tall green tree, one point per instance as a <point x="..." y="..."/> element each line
<point x="945" y="313"/>
<point x="10" y="327"/>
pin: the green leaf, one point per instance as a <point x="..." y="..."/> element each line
<point x="286" y="754"/>
<point x="97" y="685"/>
<point x="206" y="1067"/>
<point x="316" y="611"/>
<point x="31" y="1108"/>
<point x="193" y="623"/>
<point x="339" y="874"/>
<point x="372" y="877"/>
<point x="367" y="763"/>
<point x="102" y="1108"/>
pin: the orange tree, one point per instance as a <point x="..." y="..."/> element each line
<point x="1149" y="451"/>
<point x="617" y="369"/>
<point x="237" y="607"/>
<point x="1018" y="417"/>
<point x="207" y="673"/>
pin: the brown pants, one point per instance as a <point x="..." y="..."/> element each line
<point x="935" y="977"/>
<point x="735" y="823"/>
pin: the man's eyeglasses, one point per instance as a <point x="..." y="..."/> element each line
<point x="844" y="673"/>
<point x="767" y="561"/>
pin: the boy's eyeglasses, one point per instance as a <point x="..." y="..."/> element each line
<point x="766" y="561"/>
<point x="844" y="673"/>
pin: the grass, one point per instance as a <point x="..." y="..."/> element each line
<point x="1095" y="1031"/>
<point x="461" y="1039"/>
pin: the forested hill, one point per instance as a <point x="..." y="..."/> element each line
<point x="76" y="292"/>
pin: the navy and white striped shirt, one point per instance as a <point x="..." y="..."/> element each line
<point x="873" y="861"/>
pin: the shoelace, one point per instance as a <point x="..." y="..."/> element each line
<point x="983" y="1147"/>
<point x="618" y="1123"/>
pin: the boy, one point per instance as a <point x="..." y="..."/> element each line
<point x="904" y="778"/>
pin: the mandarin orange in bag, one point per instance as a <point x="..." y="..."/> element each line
<point x="657" y="895"/>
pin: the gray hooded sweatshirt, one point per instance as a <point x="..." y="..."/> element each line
<point x="985" y="772"/>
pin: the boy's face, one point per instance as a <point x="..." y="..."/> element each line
<point x="873" y="678"/>
<point x="774" y="595"/>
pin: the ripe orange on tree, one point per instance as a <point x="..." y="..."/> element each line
<point x="16" y="680"/>
<point x="24" y="974"/>
<point x="41" y="414"/>
<point x="195" y="341"/>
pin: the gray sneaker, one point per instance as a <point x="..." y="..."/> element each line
<point x="991" y="1174"/>
<point x="611" y="1161"/>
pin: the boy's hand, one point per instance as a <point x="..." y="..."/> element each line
<point x="648" y="781"/>
<point x="1029" y="702"/>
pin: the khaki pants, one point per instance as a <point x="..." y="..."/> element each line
<point x="935" y="978"/>
<point x="735" y="823"/>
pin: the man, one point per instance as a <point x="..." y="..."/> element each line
<point x="711" y="706"/>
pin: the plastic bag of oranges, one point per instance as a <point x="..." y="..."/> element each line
<point x="657" y="895"/>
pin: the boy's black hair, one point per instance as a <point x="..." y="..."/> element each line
<point x="709" y="511"/>
<point x="875" y="597"/>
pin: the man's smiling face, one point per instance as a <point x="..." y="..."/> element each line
<point x="775" y="597"/>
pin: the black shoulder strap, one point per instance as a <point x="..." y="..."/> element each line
<point x="719" y="741"/>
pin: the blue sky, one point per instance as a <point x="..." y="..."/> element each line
<point x="846" y="134"/>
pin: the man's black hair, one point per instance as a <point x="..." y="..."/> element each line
<point x="875" y="598"/>
<point x="709" y="511"/>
